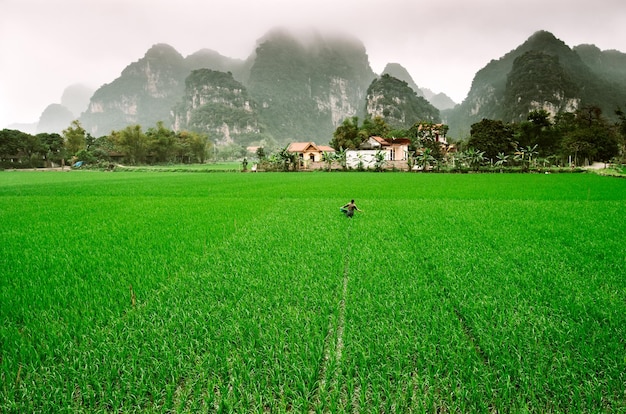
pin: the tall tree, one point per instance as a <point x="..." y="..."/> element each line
<point x="162" y="142"/>
<point x="53" y="146"/>
<point x="621" y="127"/>
<point x="348" y="135"/>
<point x="538" y="130"/>
<point x="590" y="136"/>
<point x="491" y="137"/>
<point x="376" y="127"/>
<point x="10" y="143"/>
<point x="133" y="143"/>
<point x="75" y="138"/>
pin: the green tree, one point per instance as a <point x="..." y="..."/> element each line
<point x="199" y="145"/>
<point x="379" y="160"/>
<point x="502" y="159"/>
<point x="376" y="127"/>
<point x="491" y="137"/>
<point x="348" y="135"/>
<point x="53" y="146"/>
<point x="475" y="158"/>
<point x="75" y="138"/>
<point x="589" y="136"/>
<point x="427" y="135"/>
<point x="286" y="160"/>
<point x="162" y="143"/>
<point x="538" y="130"/>
<point x="424" y="159"/>
<point x="33" y="150"/>
<point x="328" y="157"/>
<point x="133" y="143"/>
<point x="621" y="127"/>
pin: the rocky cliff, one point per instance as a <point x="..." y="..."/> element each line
<point x="542" y="73"/>
<point x="144" y="94"/>
<point x="307" y="85"/>
<point x="397" y="103"/>
<point x="216" y="104"/>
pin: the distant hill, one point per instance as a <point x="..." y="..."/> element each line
<point x="398" y="104"/>
<point x="76" y="98"/>
<point x="399" y="72"/>
<point x="438" y="100"/>
<point x="216" y="104"/>
<point x="302" y="86"/>
<point x="144" y="93"/>
<point x="542" y="73"/>
<point x="608" y="64"/>
<point x="307" y="85"/>
<point x="54" y="119"/>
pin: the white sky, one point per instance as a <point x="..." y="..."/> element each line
<point x="47" y="45"/>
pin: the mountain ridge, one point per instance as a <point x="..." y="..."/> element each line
<point x="306" y="84"/>
<point x="487" y="97"/>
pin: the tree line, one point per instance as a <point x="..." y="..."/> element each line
<point x="567" y="139"/>
<point x="130" y="145"/>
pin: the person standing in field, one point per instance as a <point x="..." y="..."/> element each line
<point x="349" y="209"/>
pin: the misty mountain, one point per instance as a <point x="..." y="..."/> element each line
<point x="307" y="85"/>
<point x="440" y="101"/>
<point x="54" y="119"/>
<point x="210" y="59"/>
<point x="542" y="73"/>
<point x="302" y="86"/>
<point x="398" y="71"/>
<point x="76" y="98"/>
<point x="216" y="104"/>
<point x="144" y="94"/>
<point x="398" y="104"/>
<point x="609" y="64"/>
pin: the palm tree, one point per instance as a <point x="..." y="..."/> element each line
<point x="532" y="152"/>
<point x="502" y="159"/>
<point x="340" y="156"/>
<point x="475" y="158"/>
<point x="328" y="158"/>
<point x="425" y="159"/>
<point x="379" y="160"/>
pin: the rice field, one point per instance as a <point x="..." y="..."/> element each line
<point x="230" y="292"/>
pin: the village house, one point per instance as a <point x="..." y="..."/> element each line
<point x="309" y="154"/>
<point x="393" y="151"/>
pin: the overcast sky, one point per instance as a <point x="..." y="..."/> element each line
<point x="47" y="45"/>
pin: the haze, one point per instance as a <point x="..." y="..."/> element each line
<point x="47" y="45"/>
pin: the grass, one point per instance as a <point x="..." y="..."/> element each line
<point x="253" y="293"/>
<point x="230" y="166"/>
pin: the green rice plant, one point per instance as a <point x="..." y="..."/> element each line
<point x="250" y="292"/>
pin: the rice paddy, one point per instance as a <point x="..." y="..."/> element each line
<point x="231" y="292"/>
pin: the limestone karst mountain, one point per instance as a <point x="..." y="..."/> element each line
<point x="542" y="73"/>
<point x="301" y="87"/>
<point x="393" y="100"/>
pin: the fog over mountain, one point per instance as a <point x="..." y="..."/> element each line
<point x="63" y="43"/>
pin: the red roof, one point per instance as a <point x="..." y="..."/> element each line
<point x="401" y="141"/>
<point x="308" y="146"/>
<point x="381" y="141"/>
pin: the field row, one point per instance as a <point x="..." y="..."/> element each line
<point x="155" y="292"/>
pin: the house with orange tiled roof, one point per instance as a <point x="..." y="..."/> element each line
<point x="308" y="152"/>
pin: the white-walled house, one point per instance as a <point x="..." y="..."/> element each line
<point x="394" y="152"/>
